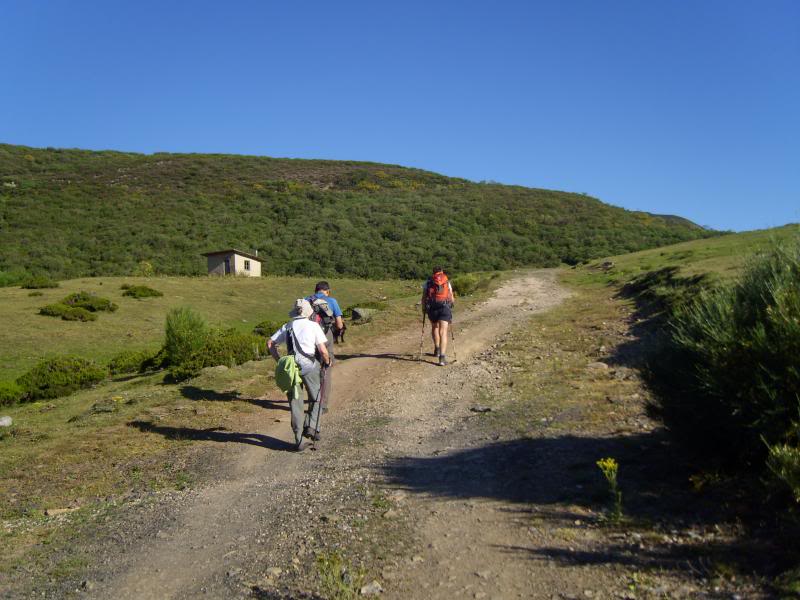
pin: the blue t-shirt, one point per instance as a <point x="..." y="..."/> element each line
<point x="337" y="312"/>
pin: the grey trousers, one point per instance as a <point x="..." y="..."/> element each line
<point x="311" y="381"/>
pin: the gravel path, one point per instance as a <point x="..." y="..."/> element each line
<point x="256" y="528"/>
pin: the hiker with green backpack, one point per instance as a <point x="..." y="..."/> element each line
<point x="304" y="365"/>
<point x="437" y="304"/>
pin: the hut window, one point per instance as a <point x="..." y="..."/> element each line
<point x="247" y="265"/>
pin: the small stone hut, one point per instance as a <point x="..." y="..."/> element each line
<point x="233" y="262"/>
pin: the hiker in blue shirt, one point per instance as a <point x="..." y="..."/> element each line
<point x="329" y="316"/>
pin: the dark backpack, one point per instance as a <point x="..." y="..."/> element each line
<point x="323" y="314"/>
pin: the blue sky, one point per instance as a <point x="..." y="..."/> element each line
<point x="681" y="107"/>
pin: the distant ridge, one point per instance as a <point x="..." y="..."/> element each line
<point x="69" y="213"/>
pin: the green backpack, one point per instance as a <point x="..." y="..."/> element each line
<point x="287" y="374"/>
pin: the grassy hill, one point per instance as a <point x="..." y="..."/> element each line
<point x="76" y="213"/>
<point x="720" y="258"/>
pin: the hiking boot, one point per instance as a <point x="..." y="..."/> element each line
<point x="316" y="437"/>
<point x="442" y="360"/>
<point x="300" y="446"/>
<point x="435" y="352"/>
<point x="307" y="432"/>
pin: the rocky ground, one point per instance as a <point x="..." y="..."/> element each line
<point x="425" y="484"/>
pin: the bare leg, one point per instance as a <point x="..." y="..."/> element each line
<point x="442" y="331"/>
<point x="435" y="333"/>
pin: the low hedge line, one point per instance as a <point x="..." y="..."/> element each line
<point x="51" y="378"/>
<point x="728" y="372"/>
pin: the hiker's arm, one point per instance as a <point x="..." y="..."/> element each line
<point x="339" y="323"/>
<point x="273" y="350"/>
<point x="323" y="352"/>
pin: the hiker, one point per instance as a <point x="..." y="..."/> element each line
<point x="329" y="316"/>
<point x="437" y="303"/>
<point x="305" y="344"/>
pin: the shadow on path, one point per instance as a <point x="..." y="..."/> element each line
<point x="387" y="355"/>
<point x="558" y="470"/>
<point x="192" y="392"/>
<point x="213" y="434"/>
<point x="551" y="480"/>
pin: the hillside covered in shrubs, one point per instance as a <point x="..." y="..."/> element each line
<point x="70" y="213"/>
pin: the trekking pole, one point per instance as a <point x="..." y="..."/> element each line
<point x="421" y="336"/>
<point x="453" y="339"/>
<point x="319" y="394"/>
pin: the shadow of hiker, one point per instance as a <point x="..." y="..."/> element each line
<point x="213" y="434"/>
<point x="387" y="355"/>
<point x="192" y="392"/>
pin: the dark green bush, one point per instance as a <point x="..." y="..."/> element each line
<point x="267" y="328"/>
<point x="35" y="293"/>
<point x="156" y="362"/>
<point x="130" y="361"/>
<point x="141" y="291"/>
<point x="67" y="313"/>
<point x="731" y="369"/>
<point x="186" y="332"/>
<point x="222" y="347"/>
<point x="89" y="302"/>
<point x="10" y="392"/>
<point x="59" y="376"/>
<point x="469" y="283"/>
<point x="39" y="282"/>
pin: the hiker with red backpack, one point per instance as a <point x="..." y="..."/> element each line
<point x="437" y="303"/>
<point x="328" y="315"/>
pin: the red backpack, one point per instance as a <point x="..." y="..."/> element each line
<point x="438" y="288"/>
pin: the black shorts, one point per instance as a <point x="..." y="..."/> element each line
<point x="440" y="312"/>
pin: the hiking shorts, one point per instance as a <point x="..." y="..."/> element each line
<point x="440" y="312"/>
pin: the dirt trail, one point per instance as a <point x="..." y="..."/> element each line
<point x="221" y="538"/>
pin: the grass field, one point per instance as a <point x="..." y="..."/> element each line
<point x="237" y="302"/>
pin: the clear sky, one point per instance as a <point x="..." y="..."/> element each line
<point x="688" y="107"/>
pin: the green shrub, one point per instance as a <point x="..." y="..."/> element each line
<point x="222" y="347"/>
<point x="10" y="392"/>
<point x="39" y="282"/>
<point x="130" y="361"/>
<point x="144" y="269"/>
<point x="267" y="328"/>
<point x="784" y="462"/>
<point x="89" y="302"/>
<point x="185" y="333"/>
<point x="141" y="291"/>
<point x="157" y="361"/>
<point x="59" y="376"/>
<point x="67" y="313"/>
<point x="469" y="283"/>
<point x="35" y="293"/>
<point x="731" y="370"/>
<point x="78" y="314"/>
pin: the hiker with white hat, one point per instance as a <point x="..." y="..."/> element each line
<point x="306" y="361"/>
